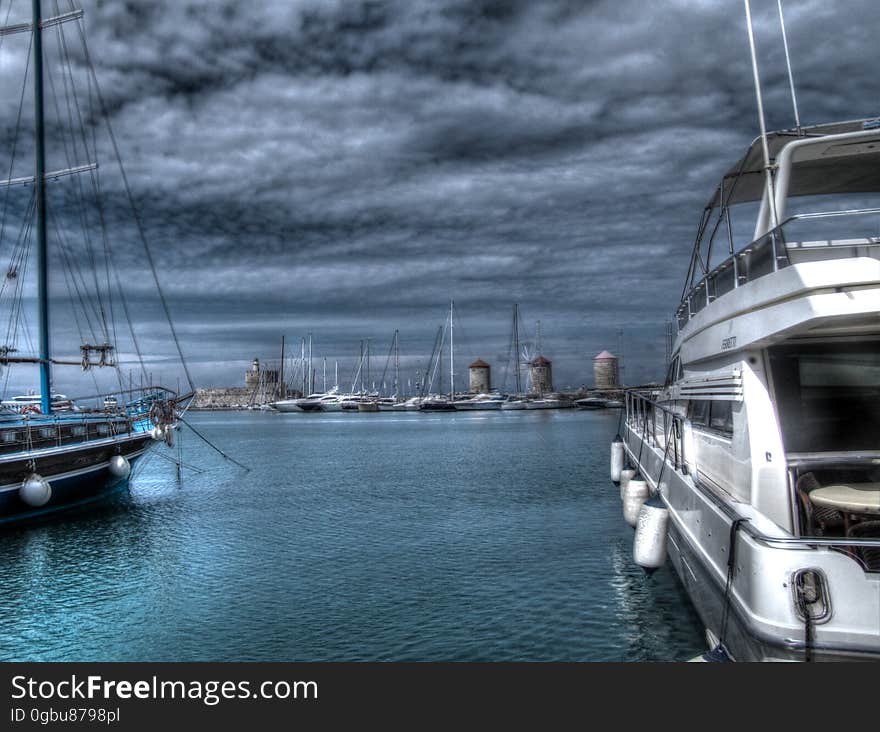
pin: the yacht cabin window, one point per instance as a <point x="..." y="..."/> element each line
<point x="714" y="415"/>
<point x="827" y="395"/>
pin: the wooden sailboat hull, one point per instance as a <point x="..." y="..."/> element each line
<point x="77" y="474"/>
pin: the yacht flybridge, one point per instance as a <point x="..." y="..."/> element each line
<point x="763" y="448"/>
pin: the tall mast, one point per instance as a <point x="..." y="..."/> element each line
<point x="336" y="373"/>
<point x="311" y="370"/>
<point x="396" y="364"/>
<point x="451" y="356"/>
<point x="325" y="374"/>
<point x="516" y="354"/>
<point x="40" y="206"/>
<point x="302" y="363"/>
<point x="282" y="391"/>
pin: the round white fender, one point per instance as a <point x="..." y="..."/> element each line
<point x="119" y="466"/>
<point x="649" y="544"/>
<point x="35" y="490"/>
<point x="635" y="494"/>
<point x="626" y="475"/>
<point x="616" y="459"/>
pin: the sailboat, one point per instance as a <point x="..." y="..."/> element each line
<point x="441" y="403"/>
<point x="392" y="403"/>
<point x="515" y="401"/>
<point x="58" y="453"/>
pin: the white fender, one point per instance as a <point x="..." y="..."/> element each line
<point x="635" y="494"/>
<point x="35" y="490"/>
<point x="649" y="544"/>
<point x="616" y="459"/>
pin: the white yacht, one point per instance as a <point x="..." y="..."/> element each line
<point x="546" y="403"/>
<point x="763" y="448"/>
<point x="287" y="405"/>
<point x="30" y="403"/>
<point x="479" y="403"/>
<point x="329" y="401"/>
<point x="410" y="405"/>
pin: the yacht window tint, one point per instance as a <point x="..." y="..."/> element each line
<point x="827" y="395"/>
<point x="700" y="412"/>
<point x="721" y="416"/>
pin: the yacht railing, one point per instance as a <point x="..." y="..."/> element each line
<point x="651" y="422"/>
<point x="768" y="254"/>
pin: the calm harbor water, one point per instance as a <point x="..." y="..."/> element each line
<point x="463" y="537"/>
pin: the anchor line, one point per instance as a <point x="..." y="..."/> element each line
<point x="644" y="440"/>
<point x="663" y="464"/>
<point x="213" y="446"/>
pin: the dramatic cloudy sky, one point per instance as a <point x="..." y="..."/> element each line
<point x="346" y="167"/>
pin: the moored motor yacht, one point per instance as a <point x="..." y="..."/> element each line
<point x="286" y="405"/>
<point x="30" y="403"/>
<point x="410" y="405"/>
<point x="479" y="402"/>
<point x="435" y="403"/>
<point x="763" y="447"/>
<point x="546" y="403"/>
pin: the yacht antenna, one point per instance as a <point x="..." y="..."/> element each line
<point x="768" y="171"/>
<point x="40" y="206"/>
<point x="794" y="104"/>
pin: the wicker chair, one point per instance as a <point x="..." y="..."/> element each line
<point x="869" y="555"/>
<point x="819" y="518"/>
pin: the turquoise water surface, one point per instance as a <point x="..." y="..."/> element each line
<point x="493" y="536"/>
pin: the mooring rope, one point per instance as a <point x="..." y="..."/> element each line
<point x="731" y="570"/>
<point x="212" y="445"/>
<point x="137" y="219"/>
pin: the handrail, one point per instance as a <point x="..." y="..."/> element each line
<point x="686" y="308"/>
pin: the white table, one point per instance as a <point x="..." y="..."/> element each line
<point x="849" y="497"/>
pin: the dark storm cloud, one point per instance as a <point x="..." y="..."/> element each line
<point x="348" y="167"/>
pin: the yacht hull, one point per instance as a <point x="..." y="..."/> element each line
<point x="762" y="622"/>
<point x="287" y="406"/>
<point x="437" y="407"/>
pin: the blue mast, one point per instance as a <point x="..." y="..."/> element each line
<point x="40" y="202"/>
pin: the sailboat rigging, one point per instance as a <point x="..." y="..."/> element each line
<point x="56" y="452"/>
